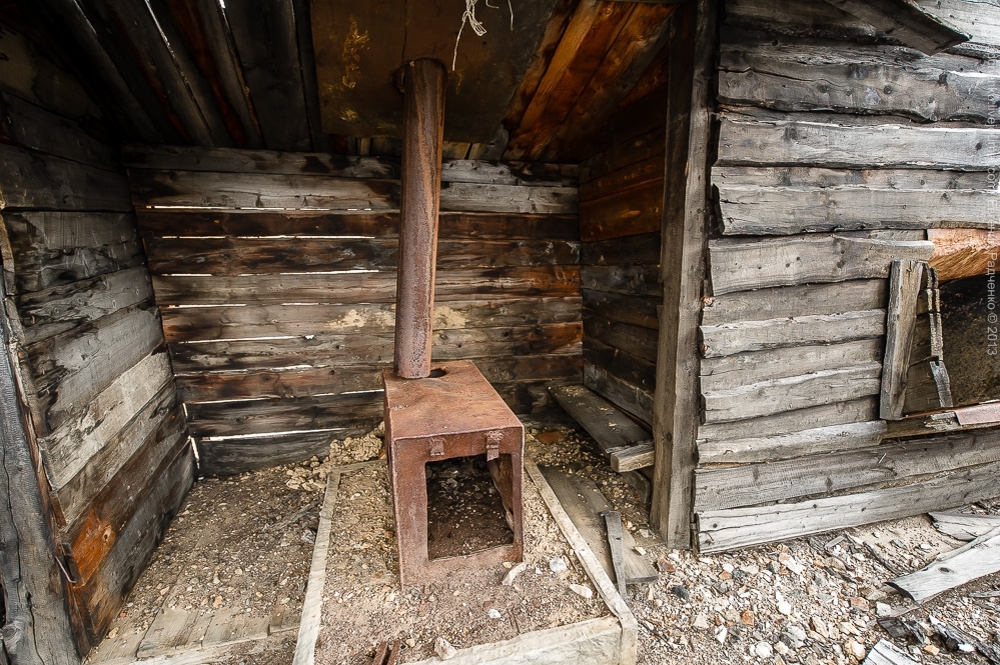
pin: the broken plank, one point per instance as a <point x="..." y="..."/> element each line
<point x="964" y="526"/>
<point x="794" y="331"/>
<point x="886" y="653"/>
<point x="976" y="559"/>
<point x="904" y="282"/>
<point x="740" y="265"/>
<point x="613" y="523"/>
<point x="609" y="426"/>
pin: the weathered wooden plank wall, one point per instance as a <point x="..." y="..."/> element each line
<point x="837" y="149"/>
<point x="102" y="405"/>
<point x="275" y="274"/>
<point x="621" y="209"/>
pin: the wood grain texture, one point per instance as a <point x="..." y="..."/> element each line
<point x="40" y="182"/>
<point x="905" y="22"/>
<point x="626" y="396"/>
<point x="628" y="250"/>
<point x="636" y="340"/>
<point x="636" y="310"/>
<point x="969" y="562"/>
<point x="730" y="338"/>
<point x="904" y="282"/>
<point x="626" y="366"/>
<point x="813" y="441"/>
<point x="610" y="427"/>
<point x="825" y="474"/>
<point x="788" y="422"/>
<point x="741" y="527"/>
<point x="790" y="301"/>
<point x="740" y="265"/>
<point x="625" y="280"/>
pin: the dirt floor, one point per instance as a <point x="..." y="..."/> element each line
<point x="247" y="541"/>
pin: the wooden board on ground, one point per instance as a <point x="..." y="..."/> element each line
<point x="584" y="503"/>
<point x="962" y="526"/>
<point x="615" y="433"/>
<point x="885" y="653"/>
<point x="976" y="559"/>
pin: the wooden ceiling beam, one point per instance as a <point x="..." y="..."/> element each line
<point x="906" y="22"/>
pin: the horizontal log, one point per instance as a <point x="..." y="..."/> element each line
<point x="630" y="250"/>
<point x="791" y="393"/>
<point x="332" y="350"/>
<point x="631" y="175"/>
<point x="743" y="527"/>
<point x="789" y="422"/>
<point x="856" y="79"/>
<point x="627" y="280"/>
<point x="58" y="309"/>
<point x="630" y="368"/>
<point x="298" y="223"/>
<point x="72" y="368"/>
<point x="785" y="211"/>
<point x="853" y="143"/>
<point x="730" y="338"/>
<point x="746" y="368"/>
<point x="788" y="301"/>
<point x="43" y="249"/>
<point x="828" y="439"/>
<point x="279" y="415"/>
<point x="757" y="484"/>
<point x="960" y="253"/>
<point x="95" y="423"/>
<point x="638" y="341"/>
<point x="204" y="387"/>
<point x="241" y="454"/>
<point x="243" y="256"/>
<point x="741" y="265"/>
<point x="347" y="288"/>
<point x="41" y="182"/>
<point x="629" y="212"/>
<point x="251" y="321"/>
<point x="627" y="397"/>
<point x="879" y="179"/>
<point x="638" y="148"/>
<point x="906" y="22"/>
<point x="474" y="197"/>
<point x="637" y="310"/>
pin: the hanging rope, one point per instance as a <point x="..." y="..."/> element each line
<point x="469" y="16"/>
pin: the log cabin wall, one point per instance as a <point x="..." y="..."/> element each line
<point x="275" y="273"/>
<point x="837" y="148"/>
<point x="621" y="209"/>
<point x="102" y="407"/>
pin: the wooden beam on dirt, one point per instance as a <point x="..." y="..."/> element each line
<point x="685" y="233"/>
<point x="976" y="559"/>
<point x="963" y="526"/>
<point x="906" y="22"/>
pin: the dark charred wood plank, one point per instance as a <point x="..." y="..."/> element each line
<point x="628" y="212"/>
<point x="40" y="182"/>
<point x="634" y="369"/>
<point x="203" y="323"/>
<point x="264" y="416"/>
<point x="47" y="249"/>
<point x="543" y="281"/>
<point x="624" y="161"/>
<point x="626" y="280"/>
<point x="626" y="396"/>
<point x="638" y="341"/>
<point x="228" y="160"/>
<point x="267" y="43"/>
<point x="630" y="250"/>
<point x="242" y="454"/>
<point x="636" y="310"/>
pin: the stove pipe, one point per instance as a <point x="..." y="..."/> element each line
<point x="423" y="128"/>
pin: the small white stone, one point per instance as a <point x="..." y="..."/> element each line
<point x="557" y="565"/>
<point x="721" y="634"/>
<point x="700" y="622"/>
<point x="883" y="610"/>
<point x="784" y="607"/>
<point x="781" y="648"/>
<point x="641" y="551"/>
<point x="763" y="650"/>
<point x="494" y="614"/>
<point x="581" y="590"/>
<point x="443" y="649"/>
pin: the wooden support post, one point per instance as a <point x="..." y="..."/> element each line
<point x="423" y="118"/>
<point x="904" y="283"/>
<point x="37" y="629"/>
<point x="682" y="265"/>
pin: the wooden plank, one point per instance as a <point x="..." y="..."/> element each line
<point x="216" y="159"/>
<point x="547" y="281"/>
<point x="634" y="370"/>
<point x="632" y="458"/>
<point x="34" y="597"/>
<point x="851" y="142"/>
<point x="964" y="526"/>
<point x="905" y="22"/>
<point x="685" y="231"/>
<point x="885" y="80"/>
<point x="754" y="210"/>
<point x="625" y="213"/>
<point x="584" y="503"/>
<point x="962" y="253"/>
<point x="609" y="427"/>
<point x="886" y="653"/>
<point x="875" y="179"/>
<point x="730" y="338"/>
<point x="790" y="393"/>
<point x="33" y="180"/>
<point x="488" y="226"/>
<point x="72" y="368"/>
<point x="740" y="265"/>
<point x="327" y="350"/>
<point x="613" y="524"/>
<point x="904" y="282"/>
<point x="636" y="340"/>
<point x="58" y="309"/>
<point x="631" y="399"/>
<point x="742" y="527"/>
<point x="36" y="128"/>
<point x="630" y="250"/>
<point x="241" y="454"/>
<point x="834" y="473"/>
<point x="747" y="368"/>
<point x="297" y="382"/>
<point x="267" y="43"/>
<point x="243" y="256"/>
<point x="785" y="301"/>
<point x="93" y="425"/>
<point x="474" y="197"/>
<point x="617" y="169"/>
<point x="827" y="439"/>
<point x="638" y="310"/>
<point x="838" y="413"/>
<point x="43" y="249"/>
<point x="627" y="280"/>
<point x="272" y="416"/>
<point x="253" y="321"/>
<point x="969" y="562"/>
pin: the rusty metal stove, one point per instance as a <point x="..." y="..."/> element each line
<point x="450" y="411"/>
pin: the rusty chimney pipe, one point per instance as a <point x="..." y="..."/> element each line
<point x="423" y="128"/>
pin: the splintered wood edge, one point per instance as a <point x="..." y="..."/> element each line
<point x="594" y="569"/>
